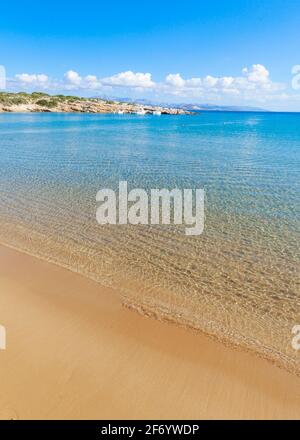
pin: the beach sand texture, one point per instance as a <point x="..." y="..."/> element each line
<point x="74" y="352"/>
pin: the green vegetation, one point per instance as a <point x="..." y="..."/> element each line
<point x="61" y="98"/>
<point x="40" y="98"/>
<point x="44" y="100"/>
<point x="50" y="103"/>
<point x="38" y="95"/>
<point x="4" y="98"/>
<point x="74" y="98"/>
<point x="12" y="99"/>
<point x="23" y="94"/>
<point x="18" y="100"/>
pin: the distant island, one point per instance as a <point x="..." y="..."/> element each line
<point x="220" y="108"/>
<point x="43" y="102"/>
<point x="195" y="107"/>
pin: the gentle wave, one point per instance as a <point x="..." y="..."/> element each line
<point x="238" y="281"/>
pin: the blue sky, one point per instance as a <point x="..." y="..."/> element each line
<point x="222" y="52"/>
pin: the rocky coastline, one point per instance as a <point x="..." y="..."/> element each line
<point x="41" y="102"/>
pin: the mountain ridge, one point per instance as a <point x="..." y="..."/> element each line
<point x="191" y="106"/>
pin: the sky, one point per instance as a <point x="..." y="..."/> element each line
<point x="225" y="52"/>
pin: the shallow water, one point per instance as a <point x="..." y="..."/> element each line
<point x="237" y="281"/>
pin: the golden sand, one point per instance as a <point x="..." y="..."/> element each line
<point x="74" y="352"/>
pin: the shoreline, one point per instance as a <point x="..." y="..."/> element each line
<point x="93" y="358"/>
<point x="205" y="327"/>
<point x="39" y="102"/>
<point x="79" y="112"/>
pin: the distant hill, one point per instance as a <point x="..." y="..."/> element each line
<point x="221" y="108"/>
<point x="193" y="106"/>
<point x="43" y="102"/>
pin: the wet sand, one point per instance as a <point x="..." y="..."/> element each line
<point x="73" y="351"/>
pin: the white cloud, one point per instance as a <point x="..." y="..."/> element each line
<point x="194" y="82"/>
<point x="227" y="81"/>
<point x="91" y="78"/>
<point x="126" y="79"/>
<point x="174" y="79"/>
<point x="32" y="79"/>
<point x="129" y="79"/>
<point x="253" y="84"/>
<point x="92" y="82"/>
<point x="258" y="73"/>
<point x="73" y="81"/>
<point x="210" y="81"/>
<point x="73" y="78"/>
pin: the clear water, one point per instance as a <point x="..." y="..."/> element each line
<point x="238" y="281"/>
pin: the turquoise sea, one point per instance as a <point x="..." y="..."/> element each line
<point x="238" y="281"/>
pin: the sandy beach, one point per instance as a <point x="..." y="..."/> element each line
<point x="73" y="351"/>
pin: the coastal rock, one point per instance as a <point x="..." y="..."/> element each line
<point x="42" y="102"/>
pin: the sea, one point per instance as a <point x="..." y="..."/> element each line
<point x="238" y="281"/>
